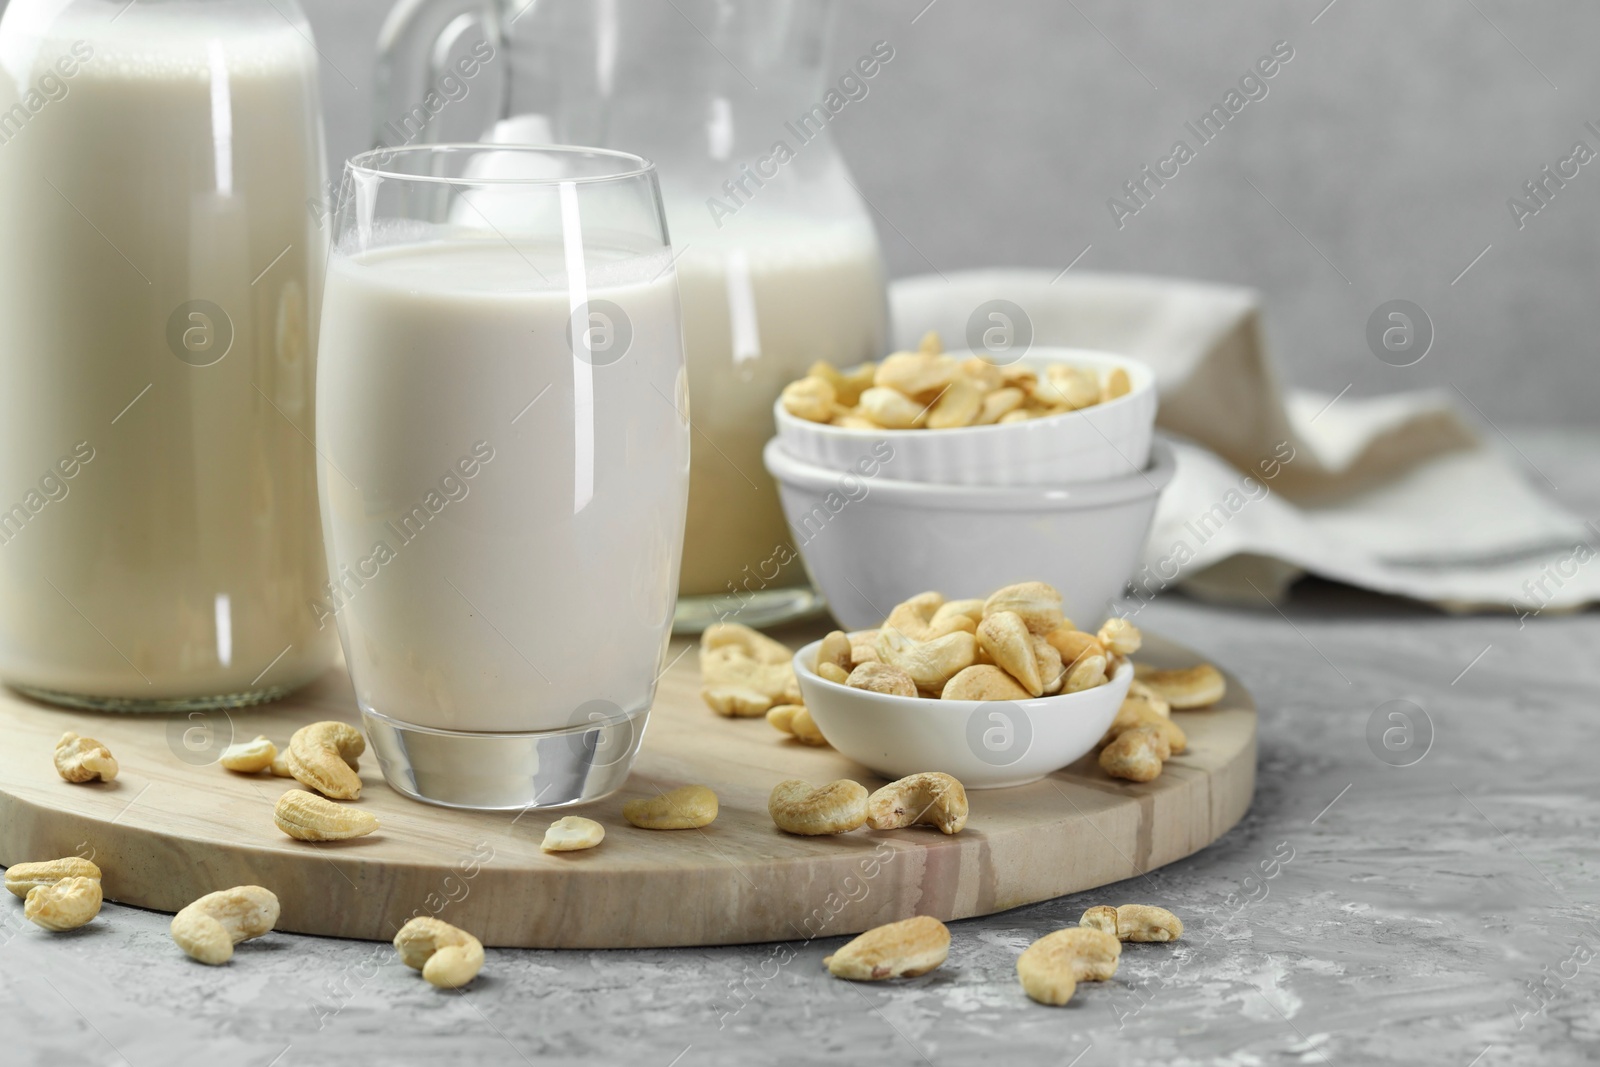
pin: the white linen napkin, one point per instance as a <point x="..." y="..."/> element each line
<point x="1399" y="494"/>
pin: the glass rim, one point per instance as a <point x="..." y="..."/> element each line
<point x="372" y="161"/>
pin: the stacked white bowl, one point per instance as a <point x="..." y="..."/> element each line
<point x="881" y="515"/>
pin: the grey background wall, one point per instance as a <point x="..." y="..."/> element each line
<point x="1378" y="166"/>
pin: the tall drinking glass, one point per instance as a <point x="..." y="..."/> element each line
<point x="502" y="421"/>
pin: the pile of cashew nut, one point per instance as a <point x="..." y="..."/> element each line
<point x="1014" y="645"/>
<point x="929" y="389"/>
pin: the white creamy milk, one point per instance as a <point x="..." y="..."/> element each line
<point x="763" y="299"/>
<point x="502" y="518"/>
<point x="158" y="525"/>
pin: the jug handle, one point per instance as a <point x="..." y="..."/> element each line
<point x="414" y="48"/>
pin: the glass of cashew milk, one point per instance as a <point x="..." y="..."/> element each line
<point x="502" y="425"/>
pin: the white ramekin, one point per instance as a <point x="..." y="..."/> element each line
<point x="870" y="542"/>
<point x="1104" y="441"/>
<point x="983" y="744"/>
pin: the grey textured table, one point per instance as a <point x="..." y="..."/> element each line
<point x="1442" y="912"/>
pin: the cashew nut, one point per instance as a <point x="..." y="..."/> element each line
<point x="931" y="344"/>
<point x="1052" y="673"/>
<point x="745" y="672"/>
<point x="882" y="678"/>
<point x="249" y="757"/>
<point x="1135" y="712"/>
<point x="1007" y="640"/>
<point x="863" y="647"/>
<point x="950" y="614"/>
<point x="915" y="374"/>
<point x="447" y="956"/>
<point x="911" y="618"/>
<point x="959" y="405"/>
<point x="1000" y="403"/>
<point x="1136" y="755"/>
<point x="753" y="643"/>
<point x="1117" y="384"/>
<point x="811" y="398"/>
<point x="891" y="409"/>
<point x="83" y="759"/>
<point x="927" y="799"/>
<point x="929" y="663"/>
<point x="687" y="807"/>
<point x="1038" y="604"/>
<point x="319" y="757"/>
<point x="1191" y="687"/>
<point x="835" y="649"/>
<point x="982" y="373"/>
<point x="904" y="949"/>
<point x="833" y="673"/>
<point x="836" y="808"/>
<point x="1074" y="644"/>
<point x="1066" y="387"/>
<point x="1120" y="636"/>
<point x="1052" y="966"/>
<point x="735" y="702"/>
<point x="1134" y="922"/>
<point x="209" y="928"/>
<point x="796" y="721"/>
<point x="307" y="817"/>
<point x="983" y="681"/>
<point x="572" y="833"/>
<point x="1137" y="690"/>
<point x="24" y="877"/>
<point x="65" y="905"/>
<point x="1087" y="673"/>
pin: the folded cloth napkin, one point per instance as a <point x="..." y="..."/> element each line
<point x="1399" y="494"/>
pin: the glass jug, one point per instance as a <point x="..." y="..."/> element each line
<point x="161" y="169"/>
<point x="778" y="262"/>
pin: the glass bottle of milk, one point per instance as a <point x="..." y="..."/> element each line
<point x="161" y="175"/>
<point x="778" y="262"/>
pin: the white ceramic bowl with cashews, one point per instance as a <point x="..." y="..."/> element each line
<point x="1105" y="440"/>
<point x="985" y="744"/>
<point x="871" y="542"/>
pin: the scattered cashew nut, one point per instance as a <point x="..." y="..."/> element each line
<point x="320" y="756"/>
<point x="447" y="956"/>
<point x="305" y="816"/>
<point x="65" y="905"/>
<point x="928" y="799"/>
<point x="796" y="721"/>
<point x="249" y="757"/>
<point x="1190" y="687"/>
<point x="83" y="759"/>
<point x="572" y="833"/>
<point x="1136" y="754"/>
<point x="836" y="808"/>
<point x="209" y="928"/>
<point x="903" y="949"/>
<point x="1051" y="967"/>
<point x="21" y="878"/>
<point x="1134" y="922"/>
<point x="684" y="808"/>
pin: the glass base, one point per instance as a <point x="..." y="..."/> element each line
<point x="505" y="772"/>
<point x="767" y="607"/>
<point x="246" y="698"/>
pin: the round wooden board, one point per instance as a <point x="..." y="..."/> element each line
<point x="171" y="828"/>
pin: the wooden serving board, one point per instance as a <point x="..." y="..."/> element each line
<point x="172" y="827"/>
